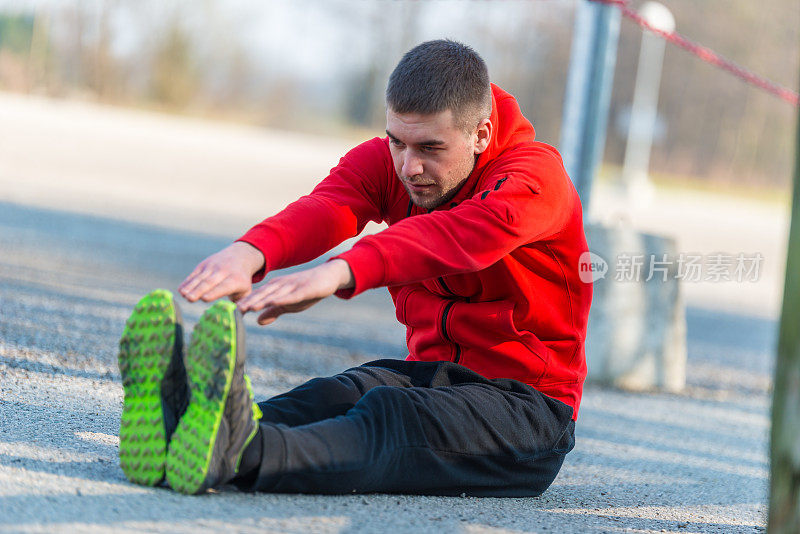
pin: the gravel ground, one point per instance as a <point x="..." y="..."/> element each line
<point x="643" y="462"/>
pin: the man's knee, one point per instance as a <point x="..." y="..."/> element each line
<point x="343" y="388"/>
<point x="386" y="401"/>
<point x="347" y="387"/>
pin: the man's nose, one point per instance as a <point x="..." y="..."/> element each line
<point x="412" y="166"/>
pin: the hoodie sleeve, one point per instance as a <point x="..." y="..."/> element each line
<point x="338" y="208"/>
<point x="526" y="199"/>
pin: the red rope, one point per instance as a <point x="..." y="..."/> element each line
<point x="707" y="55"/>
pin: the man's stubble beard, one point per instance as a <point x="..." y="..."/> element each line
<point x="445" y="197"/>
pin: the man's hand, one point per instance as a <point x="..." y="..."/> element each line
<point x="228" y="273"/>
<point x="298" y="291"/>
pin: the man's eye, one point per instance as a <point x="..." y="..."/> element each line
<point x="428" y="148"/>
<point x="395" y="142"/>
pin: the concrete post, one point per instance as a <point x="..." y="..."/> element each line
<point x="636" y="338"/>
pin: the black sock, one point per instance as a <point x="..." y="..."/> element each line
<point x="251" y="462"/>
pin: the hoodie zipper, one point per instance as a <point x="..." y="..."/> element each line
<point x="446" y="335"/>
<point x="445" y="286"/>
<point x="450" y="304"/>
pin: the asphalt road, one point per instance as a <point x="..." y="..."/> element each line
<point x="695" y="462"/>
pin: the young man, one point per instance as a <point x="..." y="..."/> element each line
<point x="481" y="259"/>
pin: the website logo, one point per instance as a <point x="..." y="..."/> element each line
<point x="591" y="267"/>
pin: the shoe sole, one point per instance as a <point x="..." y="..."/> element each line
<point x="145" y="351"/>
<point x="210" y="362"/>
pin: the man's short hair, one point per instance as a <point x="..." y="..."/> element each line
<point x="439" y="75"/>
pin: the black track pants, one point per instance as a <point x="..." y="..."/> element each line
<point x="397" y="426"/>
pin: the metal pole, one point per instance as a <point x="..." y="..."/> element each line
<point x="588" y="93"/>
<point x="644" y="109"/>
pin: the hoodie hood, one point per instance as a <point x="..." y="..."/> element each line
<point x="510" y="127"/>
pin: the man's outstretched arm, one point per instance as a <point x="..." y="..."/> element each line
<point x="338" y="208"/>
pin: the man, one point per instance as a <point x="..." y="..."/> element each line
<point x="481" y="259"/>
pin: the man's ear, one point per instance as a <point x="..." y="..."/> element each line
<point x="482" y="136"/>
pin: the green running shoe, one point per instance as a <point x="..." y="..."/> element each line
<point x="221" y="418"/>
<point x="154" y="383"/>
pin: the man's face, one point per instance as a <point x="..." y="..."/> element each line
<point x="432" y="157"/>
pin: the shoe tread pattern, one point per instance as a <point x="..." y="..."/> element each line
<point x="210" y="361"/>
<point x="145" y="350"/>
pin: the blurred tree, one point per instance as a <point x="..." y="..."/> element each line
<point x="717" y="126"/>
<point x="202" y="54"/>
<point x="174" y="78"/>
<point x="532" y="65"/>
<point x="362" y="95"/>
<point x="16" y="36"/>
<point x="104" y="77"/>
<point x="16" y="33"/>
<point x="38" y="57"/>
<point x="365" y="89"/>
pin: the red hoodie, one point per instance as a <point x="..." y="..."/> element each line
<point x="489" y="280"/>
